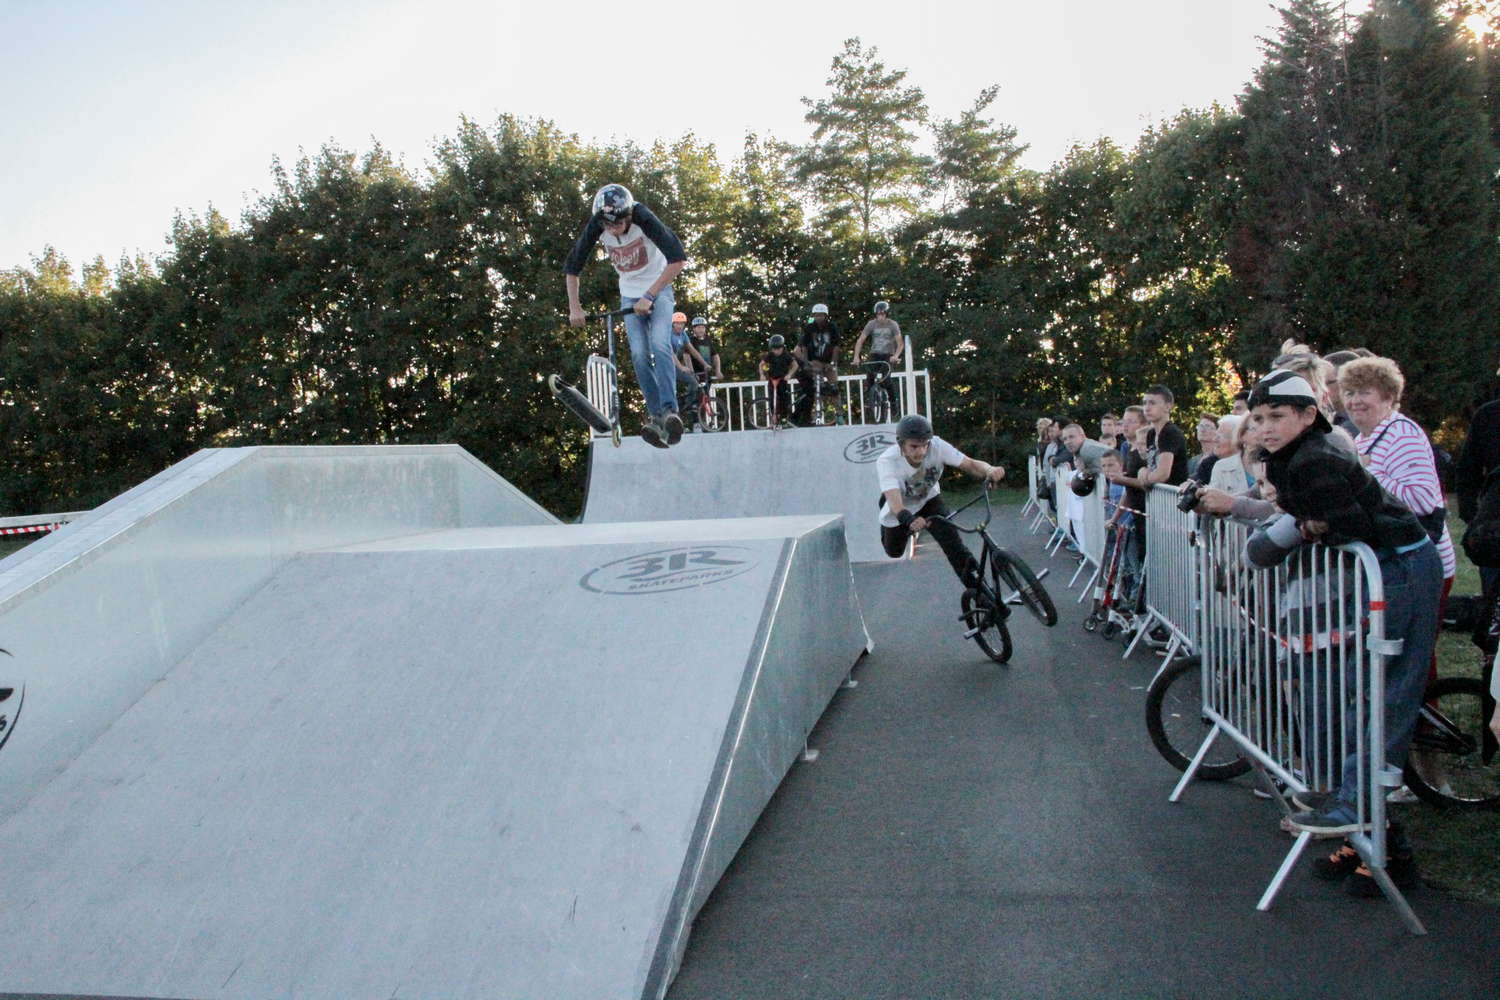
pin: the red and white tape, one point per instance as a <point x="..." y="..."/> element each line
<point x="32" y="529"/>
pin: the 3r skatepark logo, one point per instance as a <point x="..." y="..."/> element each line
<point x="867" y="447"/>
<point x="11" y="697"/>
<point x="669" y="569"/>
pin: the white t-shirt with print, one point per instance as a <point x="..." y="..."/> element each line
<point x="636" y="257"/>
<point x="917" y="485"/>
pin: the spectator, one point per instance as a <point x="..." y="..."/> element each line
<point x="1398" y="454"/>
<point x="817" y="351"/>
<point x="1208" y="434"/>
<point x="1326" y="495"/>
<point x="1339" y="359"/>
<point x="1166" y="446"/>
<point x="1240" y="407"/>
<point x="1479" y="457"/>
<point x="1109" y="430"/>
<point x="1134" y="417"/>
<point x="1229" y="470"/>
<point x="1085" y="453"/>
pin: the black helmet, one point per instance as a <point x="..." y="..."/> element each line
<point x="882" y="306"/>
<point x="1081" y="482"/>
<point x="777" y="340"/>
<point x="612" y="203"/>
<point x="914" y="427"/>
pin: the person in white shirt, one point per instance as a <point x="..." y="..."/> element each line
<point x="647" y="256"/>
<point x="909" y="472"/>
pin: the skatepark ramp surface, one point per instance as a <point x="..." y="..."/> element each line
<point x="458" y="762"/>
<point x="100" y="609"/>
<point x="803" y="470"/>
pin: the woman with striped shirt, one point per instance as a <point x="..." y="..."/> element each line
<point x="1397" y="452"/>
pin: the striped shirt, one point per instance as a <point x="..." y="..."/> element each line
<point x="1399" y="456"/>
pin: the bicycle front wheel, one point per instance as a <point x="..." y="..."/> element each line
<point x="988" y="627"/>
<point x="1174" y="718"/>
<point x="1019" y="577"/>
<point x="760" y="414"/>
<point x="1447" y="764"/>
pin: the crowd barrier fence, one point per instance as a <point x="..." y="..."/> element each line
<point x="1292" y="665"/>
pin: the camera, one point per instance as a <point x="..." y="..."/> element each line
<point x="1187" y="501"/>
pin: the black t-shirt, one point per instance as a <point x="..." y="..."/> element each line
<point x="705" y="347"/>
<point x="1174" y="442"/>
<point x="1135" y="497"/>
<point x="819" y="344"/>
<point x="777" y="365"/>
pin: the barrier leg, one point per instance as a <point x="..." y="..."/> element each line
<point x="1383" y="879"/>
<point x="1088" y="588"/>
<point x="1144" y="626"/>
<point x="1303" y="839"/>
<point x="1082" y="563"/>
<point x="1192" y="768"/>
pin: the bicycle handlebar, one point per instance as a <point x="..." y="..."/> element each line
<point x="612" y="314"/>
<point x="989" y="512"/>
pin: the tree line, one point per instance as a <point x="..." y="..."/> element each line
<point x="1348" y="199"/>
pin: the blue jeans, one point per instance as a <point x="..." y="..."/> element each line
<point x="1413" y="582"/>
<point x="651" y="341"/>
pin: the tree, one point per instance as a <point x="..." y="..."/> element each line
<point x="861" y="166"/>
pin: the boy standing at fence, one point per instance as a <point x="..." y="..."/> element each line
<point x="1327" y="496"/>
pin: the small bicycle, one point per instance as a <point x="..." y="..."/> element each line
<point x="708" y="406"/>
<point x="578" y="403"/>
<point x="880" y="402"/>
<point x="1004" y="579"/>
<point x="765" y="411"/>
<point x="825" y="408"/>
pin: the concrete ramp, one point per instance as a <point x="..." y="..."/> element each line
<point x="804" y="470"/>
<point x="480" y="762"/>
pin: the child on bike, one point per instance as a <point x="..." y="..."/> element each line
<point x="777" y="366"/>
<point x="909" y="472"/>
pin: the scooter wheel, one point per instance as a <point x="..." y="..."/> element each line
<point x="1110" y="631"/>
<point x="1090" y="623"/>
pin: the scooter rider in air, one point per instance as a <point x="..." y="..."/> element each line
<point x="647" y="256"/>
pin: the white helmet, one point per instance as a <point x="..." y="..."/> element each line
<point x="820" y="308"/>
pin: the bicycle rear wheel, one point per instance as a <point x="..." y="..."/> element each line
<point x="992" y="635"/>
<point x="760" y="414"/>
<point x="1174" y="718"/>
<point x="879" y="405"/>
<point x="1446" y="765"/>
<point x="1019" y="577"/>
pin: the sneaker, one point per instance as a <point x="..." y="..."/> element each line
<point x="1335" y="817"/>
<point x="1402" y="796"/>
<point x="1402" y="870"/>
<point x="673" y="424"/>
<point x="1311" y="801"/>
<point x="1339" y="865"/>
<point x="652" y="434"/>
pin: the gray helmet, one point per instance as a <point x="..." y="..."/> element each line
<point x="882" y="306"/>
<point x="914" y="427"/>
<point x="612" y="203"/>
<point x="698" y="321"/>
<point x="777" y="340"/>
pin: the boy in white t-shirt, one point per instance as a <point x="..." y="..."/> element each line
<point x="909" y="473"/>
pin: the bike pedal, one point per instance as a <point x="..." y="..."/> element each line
<point x="971" y="633"/>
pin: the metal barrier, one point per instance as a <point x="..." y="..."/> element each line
<point x="1293" y="672"/>
<point x="736" y="399"/>
<point x="1171" y="572"/>
<point x="1031" y="497"/>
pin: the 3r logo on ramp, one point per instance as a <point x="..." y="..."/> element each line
<point x="867" y="447"/>
<point x="12" y="696"/>
<point x="669" y="569"/>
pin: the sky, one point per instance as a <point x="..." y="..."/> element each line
<point x="119" y="116"/>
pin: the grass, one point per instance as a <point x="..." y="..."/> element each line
<point x="1457" y="851"/>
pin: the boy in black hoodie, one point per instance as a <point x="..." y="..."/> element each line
<point x="1329" y="497"/>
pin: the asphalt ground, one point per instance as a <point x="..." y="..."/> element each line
<point x="977" y="830"/>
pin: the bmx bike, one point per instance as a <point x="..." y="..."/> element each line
<point x="880" y="400"/>
<point x="765" y="410"/>
<point x="1003" y="579"/>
